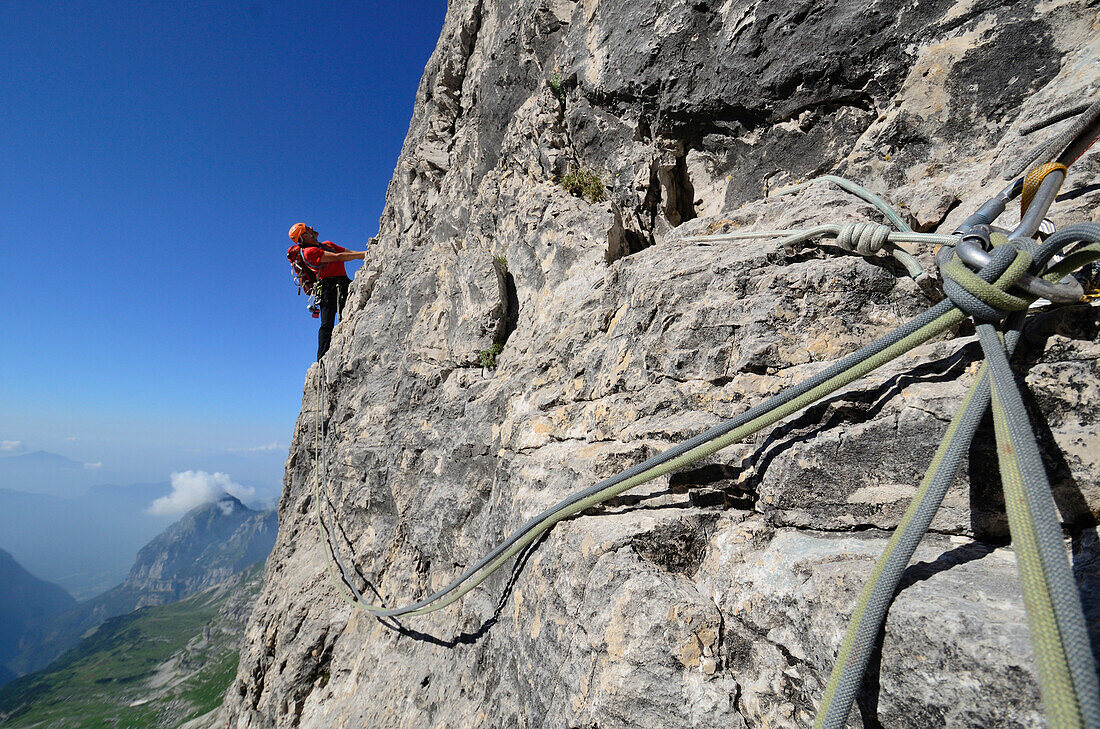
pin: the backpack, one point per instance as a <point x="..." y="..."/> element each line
<point x="305" y="274"/>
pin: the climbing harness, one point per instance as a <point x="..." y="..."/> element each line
<point x="989" y="277"/>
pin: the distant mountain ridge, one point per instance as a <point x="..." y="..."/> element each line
<point x="44" y="472"/>
<point x="205" y="548"/>
<point x="25" y="600"/>
<point x="41" y="457"/>
<point x="84" y="543"/>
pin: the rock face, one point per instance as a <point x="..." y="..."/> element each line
<point x="205" y="548"/>
<point x="718" y="596"/>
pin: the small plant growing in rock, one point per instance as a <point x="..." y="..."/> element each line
<point x="557" y="88"/>
<point x="488" y="357"/>
<point x="502" y="261"/>
<point x="583" y="182"/>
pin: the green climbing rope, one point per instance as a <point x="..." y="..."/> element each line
<point x="862" y="237"/>
<point x="933" y="322"/>
<point x="870" y="611"/>
<point x="1066" y="669"/>
<point x="857" y="190"/>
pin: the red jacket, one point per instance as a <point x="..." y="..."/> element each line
<point x="324" y="270"/>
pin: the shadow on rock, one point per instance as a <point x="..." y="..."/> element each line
<point x="471" y="637"/>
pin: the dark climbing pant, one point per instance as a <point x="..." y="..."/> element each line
<point x="334" y="291"/>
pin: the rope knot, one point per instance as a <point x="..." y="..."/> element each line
<point x="864" y="238"/>
<point x="984" y="295"/>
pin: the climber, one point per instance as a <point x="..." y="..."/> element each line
<point x="325" y="261"/>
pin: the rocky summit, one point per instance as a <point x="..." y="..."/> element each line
<point x="535" y="317"/>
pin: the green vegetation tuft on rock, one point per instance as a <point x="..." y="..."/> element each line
<point x="586" y="183"/>
<point x="557" y="88"/>
<point x="488" y="357"/>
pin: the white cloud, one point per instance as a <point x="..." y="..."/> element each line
<point x="11" y="446"/>
<point x="93" y="466"/>
<point x="194" y="488"/>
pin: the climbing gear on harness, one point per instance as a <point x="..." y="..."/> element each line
<point x="313" y="304"/>
<point x="305" y="274"/>
<point x="996" y="296"/>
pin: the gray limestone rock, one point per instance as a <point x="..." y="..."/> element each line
<point x="716" y="596"/>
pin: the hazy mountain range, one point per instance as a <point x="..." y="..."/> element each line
<point x="25" y="601"/>
<point x="156" y="667"/>
<point x="64" y="529"/>
<point x="48" y="473"/>
<point x="206" y="547"/>
<point x="85" y="544"/>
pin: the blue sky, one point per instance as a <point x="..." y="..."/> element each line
<point x="153" y="156"/>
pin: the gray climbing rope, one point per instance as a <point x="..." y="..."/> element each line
<point x="1067" y="673"/>
<point x="1089" y="115"/>
<point x="870" y="612"/>
<point x="861" y="237"/>
<point x="1066" y="670"/>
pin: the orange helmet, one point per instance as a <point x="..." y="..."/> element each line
<point x="296" y="231"/>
